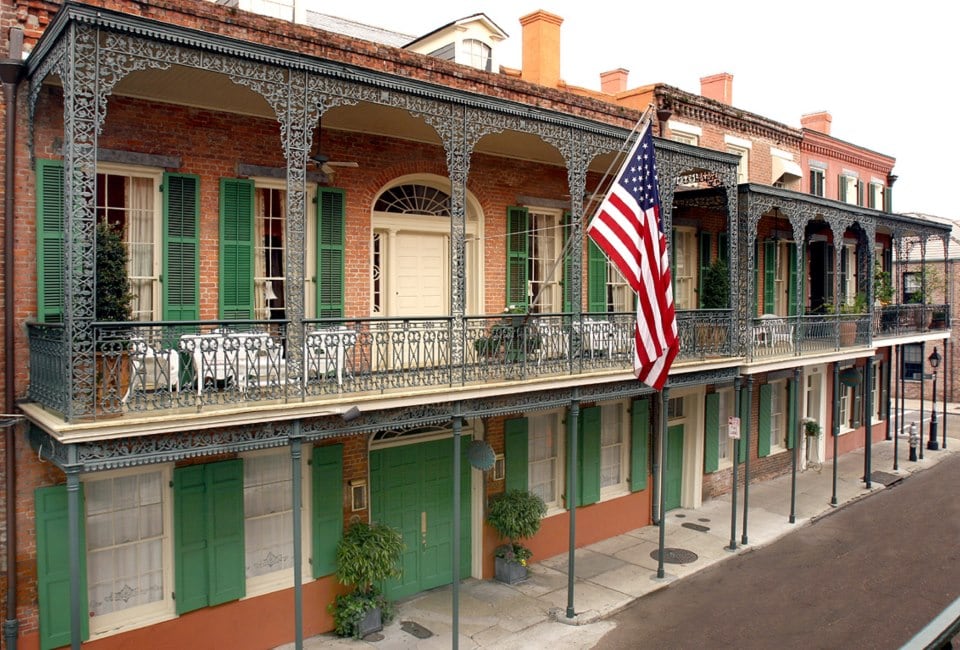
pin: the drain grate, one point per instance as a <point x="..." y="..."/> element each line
<point x="702" y="529"/>
<point x="885" y="478"/>
<point x="417" y="630"/>
<point x="675" y="556"/>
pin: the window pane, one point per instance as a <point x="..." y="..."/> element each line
<point x="542" y="447"/>
<point x="611" y="446"/>
<point x="268" y="512"/>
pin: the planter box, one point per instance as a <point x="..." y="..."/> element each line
<point x="371" y="622"/>
<point x="509" y="572"/>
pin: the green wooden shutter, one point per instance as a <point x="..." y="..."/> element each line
<point x="858" y="404"/>
<point x="745" y="407"/>
<point x="711" y="427"/>
<point x="228" y="580"/>
<point x="189" y="538"/>
<point x="769" y="277"/>
<point x="50" y="244"/>
<point x="516" y="454"/>
<point x="639" y="444"/>
<point x="704" y="264"/>
<point x="764" y="420"/>
<point x="841" y="188"/>
<point x="208" y="534"/>
<point x="588" y="456"/>
<point x="327" y="483"/>
<point x="331" y="239"/>
<point x="53" y="567"/>
<point x="794" y="304"/>
<point x="723" y="247"/>
<point x="518" y="238"/>
<point x="596" y="279"/>
<point x="888" y="199"/>
<point x="756" y="278"/>
<point x="181" y="242"/>
<point x="859" y="192"/>
<point x="236" y="249"/>
<point x="791" y="413"/>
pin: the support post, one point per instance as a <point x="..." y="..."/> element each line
<point x="835" y="427"/>
<point x="868" y="422"/>
<point x="457" y="431"/>
<point x="73" y="539"/>
<point x="798" y="435"/>
<point x="296" y="474"/>
<point x="664" y="398"/>
<point x="746" y="461"/>
<point x="923" y="357"/>
<point x="946" y="362"/>
<point x="573" y="425"/>
<point x="736" y="464"/>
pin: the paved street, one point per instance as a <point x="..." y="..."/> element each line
<point x="867" y="576"/>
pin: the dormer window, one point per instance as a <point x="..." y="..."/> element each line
<point x="478" y="54"/>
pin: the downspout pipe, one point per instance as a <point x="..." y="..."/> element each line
<point x="10" y="71"/>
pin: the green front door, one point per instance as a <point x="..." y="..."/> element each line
<point x="412" y="490"/>
<point x="673" y="468"/>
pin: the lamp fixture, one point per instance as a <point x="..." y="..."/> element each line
<point x="934" y="359"/>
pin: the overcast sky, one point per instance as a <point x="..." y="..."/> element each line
<point x="885" y="71"/>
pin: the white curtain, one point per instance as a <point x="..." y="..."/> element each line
<point x="259" y="257"/>
<point x="141" y="246"/>
<point x="268" y="512"/>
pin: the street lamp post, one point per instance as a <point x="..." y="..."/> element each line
<point x="932" y="443"/>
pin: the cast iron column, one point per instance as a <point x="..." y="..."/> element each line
<point x="746" y="460"/>
<point x="573" y="423"/>
<point x="664" y="399"/>
<point x="835" y="427"/>
<point x="296" y="453"/>
<point x="736" y="461"/>
<point x="798" y="435"/>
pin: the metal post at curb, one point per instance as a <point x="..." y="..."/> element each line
<point x="746" y="460"/>
<point x="736" y="464"/>
<point x="457" y="488"/>
<point x="798" y="435"/>
<point x="573" y="424"/>
<point x="895" y="370"/>
<point x="934" y="360"/>
<point x="835" y="428"/>
<point x="868" y="423"/>
<point x="946" y="362"/>
<point x="923" y="353"/>
<point x="296" y="484"/>
<point x="914" y="441"/>
<point x="74" y="510"/>
<point x="663" y="470"/>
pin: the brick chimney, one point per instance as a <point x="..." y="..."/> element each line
<point x="819" y="122"/>
<point x="614" y="81"/>
<point x="541" y="48"/>
<point x="718" y="87"/>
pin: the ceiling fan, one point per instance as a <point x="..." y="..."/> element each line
<point x="327" y="165"/>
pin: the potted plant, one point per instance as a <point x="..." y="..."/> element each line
<point x="715" y="295"/>
<point x="515" y="515"/>
<point x="515" y="334"/>
<point x="367" y="554"/>
<point x="111" y="305"/>
<point x="811" y="427"/>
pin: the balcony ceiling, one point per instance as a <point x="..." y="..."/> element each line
<point x="213" y="91"/>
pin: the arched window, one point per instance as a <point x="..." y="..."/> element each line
<point x="414" y="199"/>
<point x="477" y="54"/>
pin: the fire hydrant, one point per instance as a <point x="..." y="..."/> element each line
<point x="914" y="441"/>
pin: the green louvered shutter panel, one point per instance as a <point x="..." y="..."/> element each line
<point x="711" y="427"/>
<point x="888" y="199"/>
<point x="225" y="530"/>
<point x="841" y="188"/>
<point x="858" y="403"/>
<point x="331" y="215"/>
<point x="745" y="407"/>
<point x="518" y="225"/>
<point x="792" y="281"/>
<point x="639" y="444"/>
<point x="723" y="247"/>
<point x="53" y="567"/>
<point x="327" y="483"/>
<point x="673" y="253"/>
<point x="704" y="264"/>
<point x="190" y="538"/>
<point x="569" y="259"/>
<point x="764" y="420"/>
<point x="859" y="192"/>
<point x="50" y="244"/>
<point x="516" y="454"/>
<point x="769" y="276"/>
<point x="756" y="278"/>
<point x="588" y="456"/>
<point x="181" y="241"/>
<point x="236" y="249"/>
<point x="791" y="413"/>
<point x="596" y="279"/>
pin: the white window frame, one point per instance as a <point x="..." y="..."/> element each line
<point x="740" y="147"/>
<point x="550" y="421"/>
<point x="779" y="408"/>
<point x="163" y="609"/>
<point x="685" y="133"/>
<point x="846" y="408"/>
<point x="619" y="413"/>
<point x="850" y="183"/>
<point x="822" y="177"/>
<point x="545" y="266"/>
<point x="156" y="176"/>
<point x="262" y="310"/>
<point x="476" y="54"/>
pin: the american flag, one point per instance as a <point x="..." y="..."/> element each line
<point x="628" y="229"/>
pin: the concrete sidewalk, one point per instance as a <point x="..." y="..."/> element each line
<point x="613" y="573"/>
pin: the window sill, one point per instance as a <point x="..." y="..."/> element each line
<point x="120" y="622"/>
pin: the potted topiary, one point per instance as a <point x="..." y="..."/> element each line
<point x="515" y="515"/>
<point x="367" y="555"/>
<point x="111" y="305"/>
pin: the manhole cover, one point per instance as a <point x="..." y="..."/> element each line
<point x="886" y="478"/>
<point x="675" y="556"/>
<point x="702" y="529"/>
<point x="415" y="629"/>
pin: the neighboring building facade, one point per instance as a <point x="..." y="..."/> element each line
<point x="323" y="234"/>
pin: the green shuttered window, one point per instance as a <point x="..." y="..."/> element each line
<point x="639" y="444"/>
<point x="50" y="244"/>
<point x="236" y="249"/>
<point x="331" y="211"/>
<point x="764" y="420"/>
<point x="711" y="427"/>
<point x="208" y="534"/>
<point x="516" y="454"/>
<point x="181" y="242"/>
<point x="588" y="456"/>
<point x="327" y="488"/>
<point x="518" y="226"/>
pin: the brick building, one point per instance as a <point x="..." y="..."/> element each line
<point x="323" y="231"/>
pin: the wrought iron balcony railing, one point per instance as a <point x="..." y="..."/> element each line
<point x="143" y="367"/>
